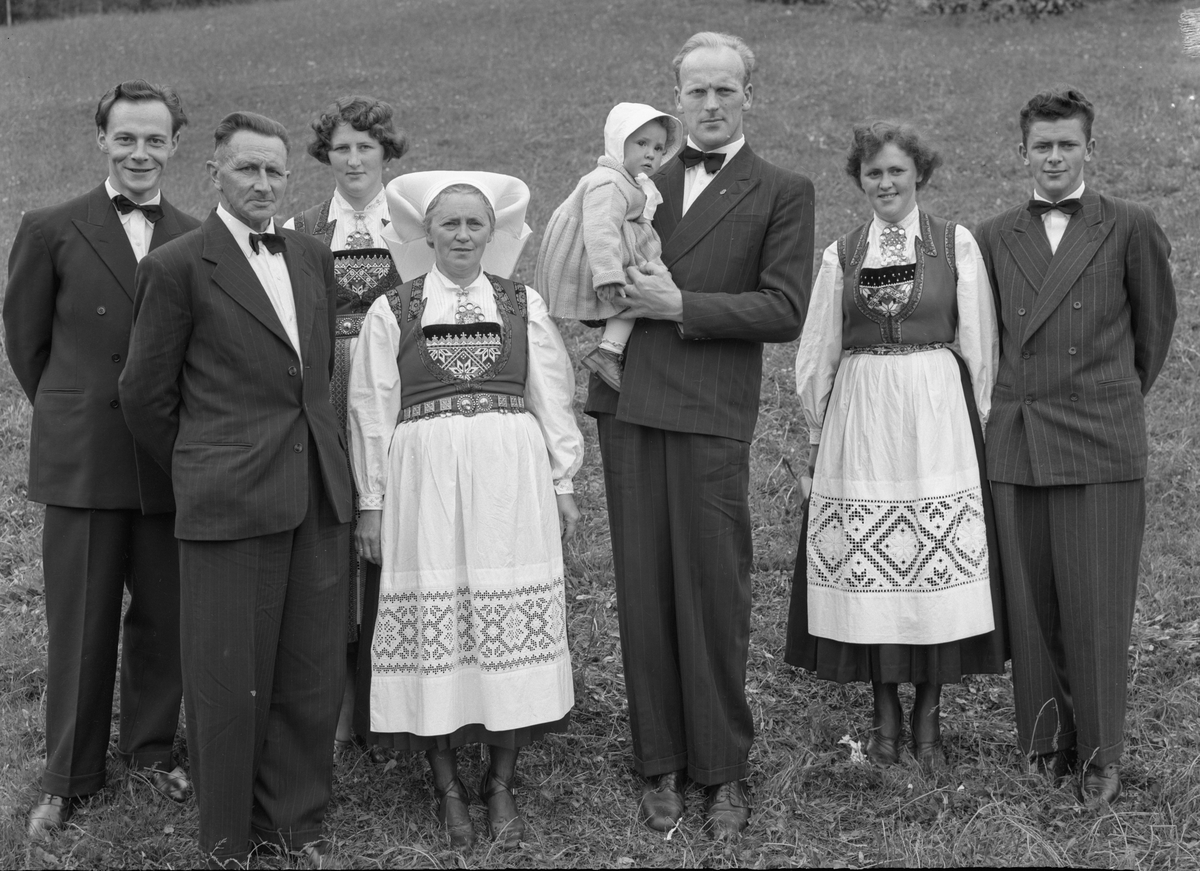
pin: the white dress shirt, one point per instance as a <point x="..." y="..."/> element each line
<point x="137" y="226"/>
<point x="1055" y="221"/>
<point x="697" y="178"/>
<point x="272" y="272"/>
<point x="375" y="218"/>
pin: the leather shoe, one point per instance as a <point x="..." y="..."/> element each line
<point x="1101" y="784"/>
<point x="1057" y="766"/>
<point x="174" y="784"/>
<point x="504" y="822"/>
<point x="882" y="750"/>
<point x="662" y="802"/>
<point x="452" y="813"/>
<point x="728" y="810"/>
<point x="49" y="815"/>
<point x="929" y="754"/>
<point x="606" y="364"/>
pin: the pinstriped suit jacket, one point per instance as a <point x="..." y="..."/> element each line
<point x="1083" y="334"/>
<point x="214" y="391"/>
<point x="743" y="258"/>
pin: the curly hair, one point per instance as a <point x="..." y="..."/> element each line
<point x="365" y="114"/>
<point x="141" y="91"/>
<point x="869" y="140"/>
<point x="1056" y="104"/>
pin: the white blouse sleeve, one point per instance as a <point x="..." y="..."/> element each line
<point x="820" y="349"/>
<point x="373" y="402"/>
<point x="978" y="340"/>
<point x="550" y="394"/>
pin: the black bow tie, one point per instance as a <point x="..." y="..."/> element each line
<point x="691" y="156"/>
<point x="125" y="206"/>
<point x="1037" y="208"/>
<point x="273" y="241"/>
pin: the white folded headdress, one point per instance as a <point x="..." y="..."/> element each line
<point x="409" y="196"/>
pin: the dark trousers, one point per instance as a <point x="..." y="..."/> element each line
<point x="89" y="557"/>
<point x="1070" y="561"/>
<point x="264" y="652"/>
<point x="680" y="520"/>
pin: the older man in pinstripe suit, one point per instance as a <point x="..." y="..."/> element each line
<point x="737" y="238"/>
<point x="1086" y="303"/>
<point x="227" y="386"/>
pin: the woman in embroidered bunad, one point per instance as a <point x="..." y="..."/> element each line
<point x="897" y="575"/>
<point x="464" y="444"/>
<point x="356" y="137"/>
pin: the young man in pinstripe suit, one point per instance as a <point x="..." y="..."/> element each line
<point x="1083" y="288"/>
<point x="738" y="240"/>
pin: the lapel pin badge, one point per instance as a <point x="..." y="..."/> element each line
<point x="723" y="190"/>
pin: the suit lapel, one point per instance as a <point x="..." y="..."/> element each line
<point x="104" y="233"/>
<point x="1084" y="234"/>
<point x="168" y="226"/>
<point x="1026" y="241"/>
<point x="730" y="187"/>
<point x="234" y="275"/>
<point x="670" y="185"/>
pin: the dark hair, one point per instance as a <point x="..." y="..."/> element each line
<point x="141" y="91"/>
<point x="252" y="121"/>
<point x="713" y="39"/>
<point x="1055" y="104"/>
<point x="458" y="188"/>
<point x="362" y="113"/>
<point x="869" y="140"/>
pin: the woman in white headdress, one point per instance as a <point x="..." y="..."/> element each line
<point x="464" y="444"/>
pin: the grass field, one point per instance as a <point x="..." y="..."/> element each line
<point x="522" y="86"/>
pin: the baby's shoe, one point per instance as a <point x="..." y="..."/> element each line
<point x="606" y="364"/>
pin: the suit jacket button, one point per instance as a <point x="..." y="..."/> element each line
<point x="116" y="358"/>
<point x="100" y="310"/>
<point x="1076" y="305"/>
<point x="1074" y="397"/>
<point x="1029" y="400"/>
<point x="114" y="404"/>
<point x="291" y="370"/>
<point x="1021" y="312"/>
<point x="297" y="447"/>
<point x="1071" y="351"/>
<point x="1024" y="355"/>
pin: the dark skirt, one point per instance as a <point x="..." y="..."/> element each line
<point x="474" y="733"/>
<point x="904" y="663"/>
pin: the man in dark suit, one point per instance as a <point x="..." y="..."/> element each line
<point x="737" y="238"/>
<point x="67" y="316"/>
<point x="1086" y="303"/>
<point x="227" y="386"/>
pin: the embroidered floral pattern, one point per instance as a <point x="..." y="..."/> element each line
<point x="436" y="632"/>
<point x="362" y="276"/>
<point x="466" y="355"/>
<point x="877" y="546"/>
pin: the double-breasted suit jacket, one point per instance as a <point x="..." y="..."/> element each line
<point x="1084" y="332"/>
<point x="215" y="392"/>
<point x="1083" y="336"/>
<point x="68" y="310"/>
<point x="675" y="445"/>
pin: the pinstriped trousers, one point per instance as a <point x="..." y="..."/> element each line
<point x="1070" y="560"/>
<point x="678" y="510"/>
<point x="263" y="626"/>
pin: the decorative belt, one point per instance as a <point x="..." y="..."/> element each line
<point x="466" y="404"/>
<point x="895" y="348"/>
<point x="349" y="326"/>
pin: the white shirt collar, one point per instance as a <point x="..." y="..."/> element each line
<point x="908" y="222"/>
<point x="448" y="283"/>
<point x="1073" y="195"/>
<point x="241" y="233"/>
<point x="343" y="205"/>
<point x="155" y="200"/>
